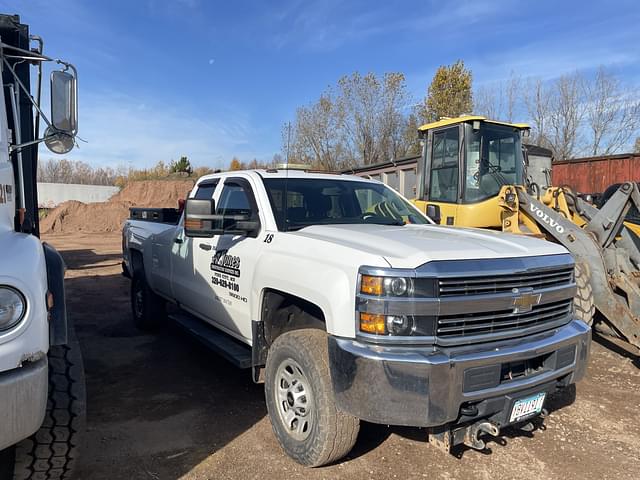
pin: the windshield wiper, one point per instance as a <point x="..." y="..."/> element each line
<point x="380" y="220"/>
<point x="495" y="171"/>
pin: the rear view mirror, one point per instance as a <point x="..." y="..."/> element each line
<point x="64" y="102"/>
<point x="201" y="221"/>
<point x="199" y="218"/>
<point x="433" y="212"/>
<point x="59" y="137"/>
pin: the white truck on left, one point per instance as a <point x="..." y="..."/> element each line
<point x="42" y="394"/>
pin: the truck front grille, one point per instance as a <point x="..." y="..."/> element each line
<point x="504" y="283"/>
<point x="505" y="321"/>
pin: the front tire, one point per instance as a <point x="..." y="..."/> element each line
<point x="300" y="400"/>
<point x="52" y="451"/>
<point x="583" y="306"/>
<point x="148" y="309"/>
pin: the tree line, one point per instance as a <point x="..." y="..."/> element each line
<point x="368" y="119"/>
<point x="55" y="170"/>
<point x="75" y="171"/>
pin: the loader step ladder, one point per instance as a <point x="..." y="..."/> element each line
<point x="219" y="342"/>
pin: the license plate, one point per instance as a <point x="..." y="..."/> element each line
<point x="526" y="407"/>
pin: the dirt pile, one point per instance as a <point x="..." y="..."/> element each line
<point x="74" y="216"/>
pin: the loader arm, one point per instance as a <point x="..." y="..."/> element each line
<point x="602" y="246"/>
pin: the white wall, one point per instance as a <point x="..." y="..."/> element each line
<point x="51" y="195"/>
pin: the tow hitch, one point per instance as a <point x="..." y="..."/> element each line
<point x="444" y="438"/>
<point x="472" y="434"/>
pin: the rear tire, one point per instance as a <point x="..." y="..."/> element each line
<point x="583" y="306"/>
<point x="52" y="451"/>
<point x="300" y="400"/>
<point x="148" y="309"/>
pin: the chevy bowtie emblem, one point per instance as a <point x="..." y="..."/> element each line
<point x="524" y="301"/>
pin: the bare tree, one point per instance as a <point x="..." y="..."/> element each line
<point x="372" y="121"/>
<point x="567" y="112"/>
<point x="316" y="134"/>
<point x="612" y="113"/>
<point x="537" y="100"/>
<point x="487" y="101"/>
<point x="500" y="100"/>
<point x="359" y="122"/>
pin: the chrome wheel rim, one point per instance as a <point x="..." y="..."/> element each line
<point x="294" y="399"/>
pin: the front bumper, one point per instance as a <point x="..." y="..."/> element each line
<point x="428" y="386"/>
<point x="23" y="401"/>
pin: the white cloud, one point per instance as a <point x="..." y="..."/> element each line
<point x="326" y="26"/>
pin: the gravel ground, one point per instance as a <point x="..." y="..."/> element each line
<point x="162" y="407"/>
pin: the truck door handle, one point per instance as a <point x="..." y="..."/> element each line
<point x="204" y="246"/>
<point x="177" y="240"/>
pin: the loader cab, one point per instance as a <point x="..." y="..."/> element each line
<point x="465" y="162"/>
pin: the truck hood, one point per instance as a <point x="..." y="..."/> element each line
<point x="410" y="246"/>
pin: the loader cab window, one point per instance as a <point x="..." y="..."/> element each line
<point x="445" y="158"/>
<point x="493" y="158"/>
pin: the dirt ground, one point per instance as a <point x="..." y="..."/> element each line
<point x="162" y="407"/>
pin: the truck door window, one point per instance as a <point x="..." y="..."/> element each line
<point x="205" y="191"/>
<point x="233" y="201"/>
<point x="237" y="199"/>
<point x="443" y="186"/>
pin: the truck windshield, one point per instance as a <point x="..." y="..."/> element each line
<point x="493" y="159"/>
<point x="313" y="201"/>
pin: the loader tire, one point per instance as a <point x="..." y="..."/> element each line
<point x="52" y="451"/>
<point x="583" y="306"/>
<point x="300" y="400"/>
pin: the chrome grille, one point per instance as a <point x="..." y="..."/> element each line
<point x="504" y="321"/>
<point x="504" y="283"/>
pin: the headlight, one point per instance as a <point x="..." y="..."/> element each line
<point x="394" y="325"/>
<point x="12" y="307"/>
<point x="381" y="286"/>
<point x="388" y="302"/>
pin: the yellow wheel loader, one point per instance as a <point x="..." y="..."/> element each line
<point x="473" y="173"/>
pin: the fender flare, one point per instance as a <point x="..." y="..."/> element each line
<point x="58" y="322"/>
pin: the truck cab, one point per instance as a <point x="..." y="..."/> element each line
<point x="41" y="374"/>
<point x="350" y="304"/>
<point x="466" y="161"/>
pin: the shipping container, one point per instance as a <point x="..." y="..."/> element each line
<point x="595" y="174"/>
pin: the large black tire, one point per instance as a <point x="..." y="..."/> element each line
<point x="51" y="453"/>
<point x="583" y="306"/>
<point x="318" y="433"/>
<point x="148" y="309"/>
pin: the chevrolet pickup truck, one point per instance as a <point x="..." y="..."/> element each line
<point x="351" y="304"/>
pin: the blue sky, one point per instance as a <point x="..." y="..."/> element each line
<point x="210" y="80"/>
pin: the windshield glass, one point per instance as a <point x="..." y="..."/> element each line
<point x="493" y="159"/>
<point x="313" y="201"/>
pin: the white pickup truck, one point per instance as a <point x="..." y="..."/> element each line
<point x="350" y="304"/>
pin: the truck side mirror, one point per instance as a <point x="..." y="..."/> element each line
<point x="433" y="212"/>
<point x="64" y="102"/>
<point x="59" y="137"/>
<point x="199" y="218"/>
<point x="242" y="225"/>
